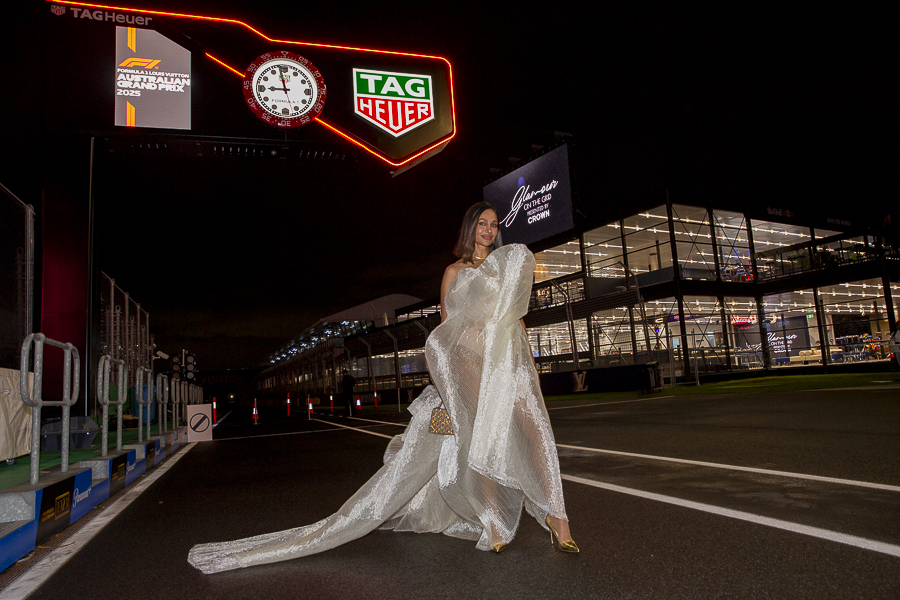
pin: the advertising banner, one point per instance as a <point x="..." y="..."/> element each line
<point x="56" y="507"/>
<point x="395" y="105"/>
<point x="153" y="80"/>
<point x="534" y="201"/>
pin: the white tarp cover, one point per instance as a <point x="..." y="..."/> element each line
<point x="15" y="417"/>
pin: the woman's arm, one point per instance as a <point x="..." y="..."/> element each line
<point x="450" y="274"/>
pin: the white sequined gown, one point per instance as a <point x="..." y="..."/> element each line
<point x="472" y="484"/>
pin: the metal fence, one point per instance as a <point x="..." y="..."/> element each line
<point x="16" y="276"/>
<point x="177" y="393"/>
<point x="124" y="329"/>
<point x="34" y="399"/>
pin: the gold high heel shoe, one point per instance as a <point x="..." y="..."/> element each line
<point x="569" y="546"/>
<point x="498" y="548"/>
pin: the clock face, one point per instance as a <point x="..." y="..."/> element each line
<point x="284" y="89"/>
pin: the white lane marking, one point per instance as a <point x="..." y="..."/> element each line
<point x="865" y="484"/>
<point x="385" y="422"/>
<point x="605" y="403"/>
<point x="225" y="416"/>
<point x="862" y="388"/>
<point x="35" y="577"/>
<point x="359" y="429"/>
<point x="817" y="532"/>
<point x="251" y="437"/>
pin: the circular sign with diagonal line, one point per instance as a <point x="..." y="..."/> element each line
<point x="199" y="423"/>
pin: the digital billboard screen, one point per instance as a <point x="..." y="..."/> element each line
<point x="153" y="80"/>
<point x="534" y="202"/>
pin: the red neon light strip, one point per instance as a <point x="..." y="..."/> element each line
<point x="224" y="65"/>
<point x="265" y="37"/>
<point x="367" y="149"/>
<point x="241" y="23"/>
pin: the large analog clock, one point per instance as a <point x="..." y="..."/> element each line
<point x="284" y="89"/>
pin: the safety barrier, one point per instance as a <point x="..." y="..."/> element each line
<point x="36" y="401"/>
<point x="104" y="366"/>
<point x="32" y="513"/>
<point x="162" y="399"/>
<point x="177" y="400"/>
<point x="142" y="400"/>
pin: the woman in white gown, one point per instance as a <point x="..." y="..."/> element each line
<point x="501" y="456"/>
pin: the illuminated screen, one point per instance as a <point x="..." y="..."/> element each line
<point x="153" y="80"/>
<point x="534" y="201"/>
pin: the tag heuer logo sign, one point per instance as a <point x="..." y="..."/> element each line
<point x="394" y="102"/>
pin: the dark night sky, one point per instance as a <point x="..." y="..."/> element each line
<point x="735" y="107"/>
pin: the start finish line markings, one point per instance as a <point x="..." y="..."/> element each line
<point x="383" y="422"/>
<point x="865" y="484"/>
<point x="816" y="532"/>
<point x="612" y="402"/>
<point x="359" y="429"/>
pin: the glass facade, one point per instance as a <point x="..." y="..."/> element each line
<point x="693" y="242"/>
<point x="556" y="341"/>
<point x="559" y="261"/>
<point x="790" y="327"/>
<point x="728" y="306"/>
<point x="733" y="246"/>
<point x="855" y="320"/>
<point x="642" y="242"/>
<point x="743" y="333"/>
<point x="703" y="318"/>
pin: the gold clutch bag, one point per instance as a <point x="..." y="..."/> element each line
<point x="440" y="421"/>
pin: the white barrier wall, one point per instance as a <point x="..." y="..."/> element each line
<point x="15" y="416"/>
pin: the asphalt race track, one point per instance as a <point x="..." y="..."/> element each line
<point x="777" y="495"/>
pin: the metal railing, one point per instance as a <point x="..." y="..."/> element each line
<point x="179" y="392"/>
<point x="104" y="366"/>
<point x="124" y="328"/>
<point x="143" y="376"/>
<point x="185" y="399"/>
<point x="183" y="394"/>
<point x="162" y="399"/>
<point x="36" y="401"/>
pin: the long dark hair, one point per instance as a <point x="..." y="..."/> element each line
<point x="465" y="245"/>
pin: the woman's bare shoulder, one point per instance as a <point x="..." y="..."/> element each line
<point x="454" y="268"/>
<point x="452" y="271"/>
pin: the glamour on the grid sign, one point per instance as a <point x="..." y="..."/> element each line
<point x="394" y="102"/>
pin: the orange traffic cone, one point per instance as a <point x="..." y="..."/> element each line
<point x="311" y="409"/>
<point x="255" y="414"/>
<point x="358" y="404"/>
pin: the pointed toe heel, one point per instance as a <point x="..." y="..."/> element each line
<point x="569" y="546"/>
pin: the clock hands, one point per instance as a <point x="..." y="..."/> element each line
<point x="284" y="87"/>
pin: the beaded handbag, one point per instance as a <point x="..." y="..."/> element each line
<point x="440" y="421"/>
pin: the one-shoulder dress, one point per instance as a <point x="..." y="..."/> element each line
<point x="472" y="484"/>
